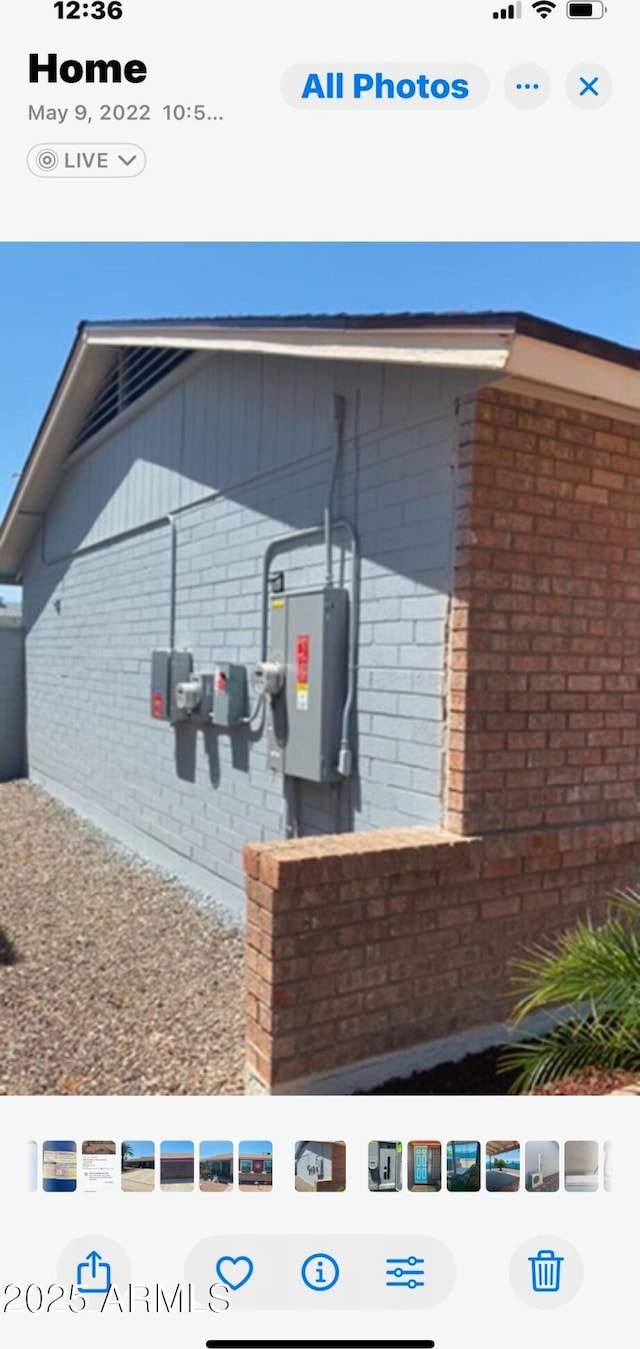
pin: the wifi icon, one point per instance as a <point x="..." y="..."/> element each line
<point x="544" y="8"/>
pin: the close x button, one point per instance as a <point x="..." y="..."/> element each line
<point x="589" y="87"/>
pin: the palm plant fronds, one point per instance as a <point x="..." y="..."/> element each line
<point x="571" y="1046"/>
<point x="594" y="973"/>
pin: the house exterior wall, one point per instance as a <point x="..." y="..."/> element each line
<point x="338" y="1170"/>
<point x="176" y="1168"/>
<point x="246" y="443"/>
<point x="315" y="1155"/>
<point x="322" y="1167"/>
<point x="12" y="703"/>
<point x="365" y="949"/>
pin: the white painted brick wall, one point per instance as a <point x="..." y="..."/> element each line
<point x="93" y="619"/>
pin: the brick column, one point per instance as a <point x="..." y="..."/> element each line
<point x="544" y="700"/>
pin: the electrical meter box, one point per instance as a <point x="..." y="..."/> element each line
<point x="229" y="694"/>
<point x="308" y="637"/>
<point x="168" y="668"/>
<point x="385" y="1166"/>
<point x="205" y="711"/>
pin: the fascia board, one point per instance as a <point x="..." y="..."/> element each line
<point x="35" y="487"/>
<point x="575" y="373"/>
<point x="482" y="349"/>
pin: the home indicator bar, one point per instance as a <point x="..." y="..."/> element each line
<point x="321" y="1344"/>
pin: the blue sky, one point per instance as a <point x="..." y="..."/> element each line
<point x="180" y="1145"/>
<point x="219" y="1148"/>
<point x="139" y="1148"/>
<point x="47" y="289"/>
<point x="256" y="1146"/>
<point x="510" y="1155"/>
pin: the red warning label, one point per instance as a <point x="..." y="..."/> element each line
<point x="302" y="659"/>
<point x="302" y="672"/>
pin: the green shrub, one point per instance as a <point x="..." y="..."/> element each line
<point x="593" y="974"/>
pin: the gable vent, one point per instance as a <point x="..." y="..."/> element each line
<point x="133" y="372"/>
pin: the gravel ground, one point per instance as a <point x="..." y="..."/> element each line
<point x="112" y="980"/>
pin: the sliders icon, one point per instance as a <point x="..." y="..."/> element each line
<point x="405" y="1271"/>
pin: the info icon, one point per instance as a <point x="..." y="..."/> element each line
<point x="527" y="86"/>
<point x="320" y="1272"/>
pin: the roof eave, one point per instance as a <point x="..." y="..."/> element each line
<point x="485" y="348"/>
<point x="518" y="349"/>
<point x="609" y="387"/>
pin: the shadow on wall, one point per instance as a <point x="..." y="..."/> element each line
<point x="344" y="794"/>
<point x="186" y="748"/>
<point x="260" y="467"/>
<point x="396" y="454"/>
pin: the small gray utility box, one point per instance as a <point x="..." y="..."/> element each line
<point x="229" y="694"/>
<point x="168" y="669"/>
<point x="308" y="636"/>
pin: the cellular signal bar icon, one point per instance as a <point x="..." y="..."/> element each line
<point x="511" y="12"/>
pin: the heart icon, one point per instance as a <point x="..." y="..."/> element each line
<point x="234" y="1270"/>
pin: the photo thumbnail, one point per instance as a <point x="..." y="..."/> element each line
<point x="320" y="724"/>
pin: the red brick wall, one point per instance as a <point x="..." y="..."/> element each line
<point x="544" y="700"/>
<point x="363" y="944"/>
<point x="338" y="1171"/>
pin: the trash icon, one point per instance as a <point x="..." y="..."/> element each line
<point x="546" y="1271"/>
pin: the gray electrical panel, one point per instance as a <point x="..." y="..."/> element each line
<point x="385" y="1166"/>
<point x="168" y="669"/>
<point x="308" y="637"/>
<point x="181" y="667"/>
<point x="160" y="666"/>
<point x="229" y="694"/>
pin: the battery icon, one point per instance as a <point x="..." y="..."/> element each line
<point x="594" y="11"/>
